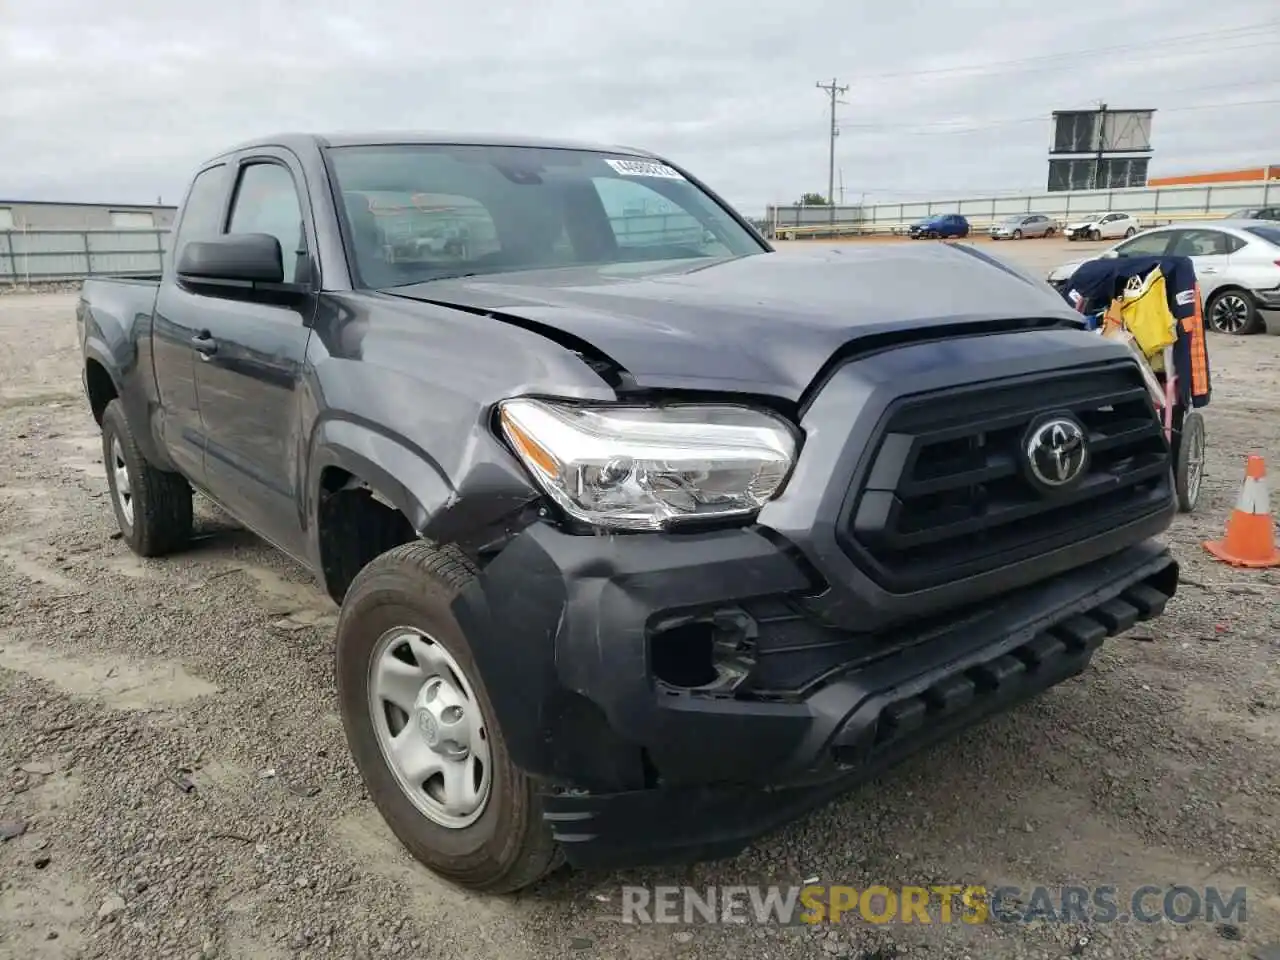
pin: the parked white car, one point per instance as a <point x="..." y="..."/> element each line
<point x="1103" y="226"/>
<point x="1237" y="266"/>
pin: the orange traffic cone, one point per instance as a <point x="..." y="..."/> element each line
<point x="1250" y="540"/>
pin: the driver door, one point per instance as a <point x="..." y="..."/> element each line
<point x="250" y="379"/>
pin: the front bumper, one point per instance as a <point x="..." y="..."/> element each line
<point x="1268" y="299"/>
<point x="637" y="770"/>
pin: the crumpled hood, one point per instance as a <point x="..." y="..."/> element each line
<point x="763" y="324"/>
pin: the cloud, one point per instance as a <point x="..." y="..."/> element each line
<point x="118" y="103"/>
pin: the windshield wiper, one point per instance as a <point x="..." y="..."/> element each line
<point x="443" y="276"/>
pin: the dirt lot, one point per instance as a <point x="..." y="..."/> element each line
<point x="169" y="741"/>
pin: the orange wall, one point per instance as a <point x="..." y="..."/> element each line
<point x="1221" y="176"/>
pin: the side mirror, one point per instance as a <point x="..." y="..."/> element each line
<point x="244" y="257"/>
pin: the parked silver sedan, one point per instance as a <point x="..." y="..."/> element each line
<point x="1237" y="265"/>
<point x="1019" y="225"/>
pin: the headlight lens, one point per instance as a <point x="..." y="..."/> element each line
<point x="649" y="467"/>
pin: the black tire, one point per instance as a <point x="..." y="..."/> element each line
<point x="1049" y="233"/>
<point x="1129" y="233"/>
<point x="1238" y="315"/>
<point x="1017" y="234"/>
<point x="1095" y="235"/>
<point x="161" y="518"/>
<point x="510" y="846"/>
<point x="1190" y="448"/>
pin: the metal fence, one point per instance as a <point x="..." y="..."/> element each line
<point x="42" y="256"/>
<point x="36" y="256"/>
<point x="1151" y="205"/>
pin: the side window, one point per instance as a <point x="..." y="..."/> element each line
<point x="266" y="201"/>
<point x="202" y="211"/>
<point x="1204" y="243"/>
<point x="1145" y="245"/>
<point x="641" y="217"/>
<point x="433" y="228"/>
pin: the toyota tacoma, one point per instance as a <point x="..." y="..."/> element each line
<point x="647" y="537"/>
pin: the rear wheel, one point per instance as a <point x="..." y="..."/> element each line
<point x="1130" y="232"/>
<point x="1189" y="466"/>
<point x="152" y="507"/>
<point x="1234" y="312"/>
<point x="421" y="727"/>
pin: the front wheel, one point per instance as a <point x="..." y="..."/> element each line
<point x="1017" y="234"/>
<point x="153" y="507"/>
<point x="1234" y="312"/>
<point x="1095" y="235"/>
<point x="421" y="727"/>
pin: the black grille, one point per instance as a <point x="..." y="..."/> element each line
<point x="945" y="495"/>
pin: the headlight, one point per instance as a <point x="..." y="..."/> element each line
<point x="648" y="467"/>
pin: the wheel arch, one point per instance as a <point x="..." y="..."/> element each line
<point x="366" y="493"/>
<point x="100" y="383"/>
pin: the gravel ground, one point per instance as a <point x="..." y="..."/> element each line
<point x="169" y="743"/>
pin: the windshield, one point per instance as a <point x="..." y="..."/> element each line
<point x="424" y="212"/>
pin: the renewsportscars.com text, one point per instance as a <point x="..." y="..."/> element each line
<point x="953" y="903"/>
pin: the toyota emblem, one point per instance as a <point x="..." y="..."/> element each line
<point x="1056" y="452"/>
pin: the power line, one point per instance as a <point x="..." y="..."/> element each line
<point x="834" y="90"/>
<point x="1244" y="32"/>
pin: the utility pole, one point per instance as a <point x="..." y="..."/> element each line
<point x="1102" y="143"/>
<point x="834" y="90"/>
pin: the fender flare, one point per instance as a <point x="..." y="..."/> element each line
<point x="95" y="349"/>
<point x="404" y="476"/>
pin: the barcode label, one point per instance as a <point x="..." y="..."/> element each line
<point x="644" y="168"/>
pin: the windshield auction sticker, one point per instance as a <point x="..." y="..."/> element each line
<point x="644" y="168"/>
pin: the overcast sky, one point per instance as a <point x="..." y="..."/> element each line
<point x="116" y="102"/>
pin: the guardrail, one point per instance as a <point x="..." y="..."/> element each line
<point x="855" y="228"/>
<point x="1151" y="205"/>
<point x="44" y="256"/>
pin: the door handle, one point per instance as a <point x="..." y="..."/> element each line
<point x="1208" y="269"/>
<point x="204" y="343"/>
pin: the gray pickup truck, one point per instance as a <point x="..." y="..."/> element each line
<point x="647" y="537"/>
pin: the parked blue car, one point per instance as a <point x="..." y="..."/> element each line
<point x="942" y="225"/>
